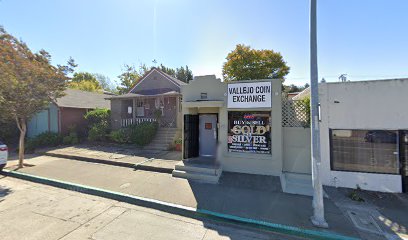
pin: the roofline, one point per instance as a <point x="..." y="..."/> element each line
<point x="148" y="73"/>
<point x="373" y="80"/>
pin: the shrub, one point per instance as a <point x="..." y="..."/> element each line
<point x="98" y="116"/>
<point x="98" y="122"/>
<point x="120" y="136"/>
<point x="71" y="139"/>
<point x="46" y="139"/>
<point x="143" y="133"/>
<point x="98" y="132"/>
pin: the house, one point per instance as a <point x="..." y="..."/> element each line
<point x="155" y="97"/>
<point x="66" y="112"/>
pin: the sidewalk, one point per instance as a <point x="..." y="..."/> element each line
<point x="32" y="211"/>
<point x="247" y="196"/>
<point x="132" y="157"/>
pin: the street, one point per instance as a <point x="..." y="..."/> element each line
<point x="34" y="211"/>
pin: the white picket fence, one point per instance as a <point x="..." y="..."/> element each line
<point x="131" y="121"/>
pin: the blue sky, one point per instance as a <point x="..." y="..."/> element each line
<point x="366" y="39"/>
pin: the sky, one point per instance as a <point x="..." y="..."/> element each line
<point x="365" y="39"/>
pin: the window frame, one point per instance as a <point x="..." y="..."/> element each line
<point x="397" y="149"/>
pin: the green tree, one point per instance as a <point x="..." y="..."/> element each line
<point x="128" y="78"/>
<point x="28" y="82"/>
<point x="85" y="81"/>
<point x="184" y="74"/>
<point x="167" y="70"/>
<point x="245" y="63"/>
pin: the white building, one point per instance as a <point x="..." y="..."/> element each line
<point x="364" y="134"/>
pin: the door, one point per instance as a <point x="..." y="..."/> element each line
<point x="208" y="135"/>
<point x="190" y="136"/>
<point x="404" y="159"/>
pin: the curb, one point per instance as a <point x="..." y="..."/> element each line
<point x="179" y="209"/>
<point x="110" y="162"/>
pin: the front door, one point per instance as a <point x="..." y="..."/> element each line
<point x="208" y="135"/>
<point x="404" y="159"/>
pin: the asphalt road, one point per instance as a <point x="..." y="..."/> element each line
<point x="34" y="211"/>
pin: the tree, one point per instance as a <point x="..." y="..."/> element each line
<point x="245" y="63"/>
<point x="167" y="70"/>
<point x="28" y="82"/>
<point x="184" y="74"/>
<point x="85" y="81"/>
<point x="105" y="83"/>
<point x="129" y="77"/>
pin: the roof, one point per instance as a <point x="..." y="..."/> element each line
<point x="82" y="99"/>
<point x="303" y="94"/>
<point x="152" y="94"/>
<point x="167" y="76"/>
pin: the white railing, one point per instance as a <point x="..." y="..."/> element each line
<point x="131" y="121"/>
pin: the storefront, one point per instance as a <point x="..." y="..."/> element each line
<point x="234" y="125"/>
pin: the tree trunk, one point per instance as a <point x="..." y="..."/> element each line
<point x="23" y="129"/>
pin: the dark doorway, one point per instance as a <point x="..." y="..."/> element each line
<point x="191" y="134"/>
<point x="404" y="159"/>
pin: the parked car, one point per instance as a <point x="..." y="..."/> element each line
<point x="381" y="136"/>
<point x="3" y="155"/>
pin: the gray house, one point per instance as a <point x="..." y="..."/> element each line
<point x="156" y="94"/>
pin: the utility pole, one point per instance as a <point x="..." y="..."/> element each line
<point x="318" y="207"/>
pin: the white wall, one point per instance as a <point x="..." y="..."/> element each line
<point x="378" y="105"/>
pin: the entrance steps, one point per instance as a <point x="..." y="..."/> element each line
<point x="163" y="140"/>
<point x="297" y="183"/>
<point x="207" y="173"/>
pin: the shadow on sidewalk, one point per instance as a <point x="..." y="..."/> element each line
<point x="261" y="198"/>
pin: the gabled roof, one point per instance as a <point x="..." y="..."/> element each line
<point x="165" y="75"/>
<point x="82" y="99"/>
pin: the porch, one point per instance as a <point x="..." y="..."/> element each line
<point x="131" y="109"/>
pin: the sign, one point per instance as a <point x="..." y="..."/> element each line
<point x="249" y="132"/>
<point x="250" y="95"/>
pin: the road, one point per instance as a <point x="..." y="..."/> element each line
<point x="35" y="211"/>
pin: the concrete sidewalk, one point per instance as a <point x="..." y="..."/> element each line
<point x="33" y="211"/>
<point x="124" y="156"/>
<point x="248" y="196"/>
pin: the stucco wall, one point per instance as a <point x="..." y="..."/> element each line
<point x="296" y="150"/>
<point x="362" y="105"/>
<point x="265" y="164"/>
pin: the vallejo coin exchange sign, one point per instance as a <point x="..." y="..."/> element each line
<point x="250" y="95"/>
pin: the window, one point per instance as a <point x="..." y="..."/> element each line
<point x="372" y="151"/>
<point x="249" y="132"/>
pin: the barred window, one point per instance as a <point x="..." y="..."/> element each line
<point x="371" y="151"/>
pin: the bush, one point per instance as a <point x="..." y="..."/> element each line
<point x="120" y="136"/>
<point x="71" y="139"/>
<point x="98" y="132"/>
<point x="98" y="116"/>
<point x="99" y="124"/>
<point x="143" y="133"/>
<point x="46" y="139"/>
